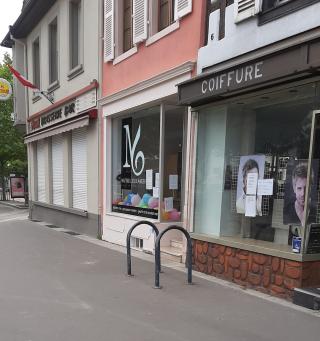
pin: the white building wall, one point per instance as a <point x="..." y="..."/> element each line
<point x="89" y="58"/>
<point x="246" y="36"/>
<point x="89" y="48"/>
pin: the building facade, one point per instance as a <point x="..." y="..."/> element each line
<point x="254" y="192"/>
<point x="57" y="47"/>
<point x="150" y="47"/>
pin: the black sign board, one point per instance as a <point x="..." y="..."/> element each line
<point x="137" y="211"/>
<point x="314" y="239"/>
<point x="296" y="62"/>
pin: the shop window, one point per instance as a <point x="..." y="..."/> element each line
<point x="173" y="156"/>
<point x="36" y="62"/>
<point x="53" y="51"/>
<point x="74" y="31"/>
<point x="139" y="185"/>
<point x="252" y="164"/>
<point x="135" y="163"/>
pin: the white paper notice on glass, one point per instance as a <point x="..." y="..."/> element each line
<point x="168" y="204"/>
<point x="251" y="206"/>
<point x="157" y="184"/>
<point x="149" y="179"/>
<point x="155" y="192"/>
<point x="173" y="181"/>
<point x="252" y="183"/>
<point x="265" y="187"/>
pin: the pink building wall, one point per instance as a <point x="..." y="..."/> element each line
<point x="172" y="50"/>
<point x="168" y="52"/>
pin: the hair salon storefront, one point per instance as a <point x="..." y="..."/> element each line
<point x="254" y="198"/>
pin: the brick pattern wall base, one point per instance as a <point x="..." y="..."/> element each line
<point x="268" y="274"/>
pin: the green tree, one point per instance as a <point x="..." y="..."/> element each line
<point x="13" y="153"/>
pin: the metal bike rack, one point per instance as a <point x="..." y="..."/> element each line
<point x="143" y="222"/>
<point x="157" y="254"/>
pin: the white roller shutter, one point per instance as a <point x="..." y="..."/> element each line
<point x="244" y="9"/>
<point x="79" y="169"/>
<point x="182" y="8"/>
<point x="140" y="14"/>
<point x="57" y="170"/>
<point x="108" y="30"/>
<point x="41" y="171"/>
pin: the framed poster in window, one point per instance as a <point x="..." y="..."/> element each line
<point x="17" y="187"/>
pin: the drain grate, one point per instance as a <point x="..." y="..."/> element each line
<point x="36" y="221"/>
<point x="53" y="226"/>
<point x="72" y="233"/>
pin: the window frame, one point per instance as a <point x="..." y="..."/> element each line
<point x="190" y="189"/>
<point x="75" y="70"/>
<point x="53" y="83"/>
<point x="108" y="166"/>
<point x="277" y="9"/>
<point x="36" y="82"/>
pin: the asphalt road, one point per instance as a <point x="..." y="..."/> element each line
<point x="58" y="287"/>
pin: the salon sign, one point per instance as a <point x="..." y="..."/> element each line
<point x="68" y="110"/>
<point x="5" y="90"/>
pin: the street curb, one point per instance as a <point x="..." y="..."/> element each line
<point x="8" y="204"/>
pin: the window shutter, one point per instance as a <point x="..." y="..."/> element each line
<point x="246" y="8"/>
<point x="140" y="14"/>
<point x="57" y="170"/>
<point x="182" y="8"/>
<point x="79" y="169"/>
<point x="108" y="30"/>
<point x="41" y="171"/>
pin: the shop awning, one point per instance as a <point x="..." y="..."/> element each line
<point x="62" y="128"/>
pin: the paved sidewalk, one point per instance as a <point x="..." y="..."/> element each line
<point x="55" y="286"/>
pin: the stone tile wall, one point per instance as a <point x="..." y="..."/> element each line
<point x="267" y="274"/>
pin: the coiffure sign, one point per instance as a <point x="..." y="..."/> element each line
<point x="294" y="63"/>
<point x="230" y="79"/>
<point x="65" y="111"/>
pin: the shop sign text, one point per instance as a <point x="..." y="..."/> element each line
<point x="232" y="78"/>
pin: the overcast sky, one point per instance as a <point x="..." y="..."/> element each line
<point x="9" y="12"/>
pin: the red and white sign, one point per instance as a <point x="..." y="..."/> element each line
<point x="17" y="187"/>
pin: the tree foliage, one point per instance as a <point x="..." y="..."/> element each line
<point x="13" y="154"/>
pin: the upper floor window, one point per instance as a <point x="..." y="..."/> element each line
<point x="36" y="62"/>
<point x="126" y="22"/>
<point x="166" y="13"/>
<point x="74" y="30"/>
<point x="53" y="51"/>
<point x="127" y="25"/>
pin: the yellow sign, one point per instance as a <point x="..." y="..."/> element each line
<point x="5" y="90"/>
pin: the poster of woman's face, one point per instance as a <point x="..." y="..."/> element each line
<point x="295" y="192"/>
<point x="249" y="164"/>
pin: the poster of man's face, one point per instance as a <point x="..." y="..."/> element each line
<point x="17" y="187"/>
<point x="248" y="164"/>
<point x="295" y="192"/>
